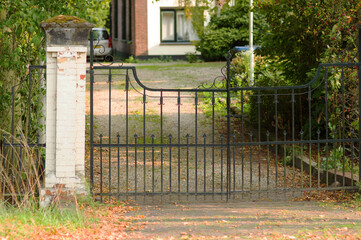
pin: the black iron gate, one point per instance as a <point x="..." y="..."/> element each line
<point x="221" y="139"/>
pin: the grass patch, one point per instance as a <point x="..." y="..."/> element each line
<point x="86" y="218"/>
<point x="161" y="59"/>
<point x="42" y="216"/>
<point x="26" y="222"/>
<point x="176" y="65"/>
<point x="182" y="65"/>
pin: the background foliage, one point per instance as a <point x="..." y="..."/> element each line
<point x="302" y="34"/>
<point x="22" y="41"/>
<point x="227" y="30"/>
<point x="305" y="33"/>
<point x="298" y="36"/>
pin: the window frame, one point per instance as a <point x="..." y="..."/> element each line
<point x="116" y="19"/>
<point x="130" y="22"/>
<point x="124" y="20"/>
<point x="175" y="16"/>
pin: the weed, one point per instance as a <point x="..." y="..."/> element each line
<point x="291" y="153"/>
<point x="216" y="106"/>
<point x="131" y="59"/>
<point x="353" y="200"/>
<point x="161" y="59"/>
<point x="24" y="222"/>
<point x="191" y="57"/>
<point x="21" y="172"/>
<point x="338" y="160"/>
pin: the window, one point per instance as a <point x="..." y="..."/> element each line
<point x="130" y="20"/>
<point x="116" y="19"/>
<point x="100" y="34"/>
<point x="124" y="19"/>
<point x="168" y="26"/>
<point x="175" y="27"/>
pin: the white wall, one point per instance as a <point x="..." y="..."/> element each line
<point x="155" y="47"/>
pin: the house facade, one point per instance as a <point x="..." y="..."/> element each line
<point x="146" y="28"/>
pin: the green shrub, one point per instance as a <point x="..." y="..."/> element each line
<point x="229" y="29"/>
<point x="215" y="43"/>
<point x="191" y="57"/>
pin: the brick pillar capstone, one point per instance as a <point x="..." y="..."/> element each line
<point x="66" y="50"/>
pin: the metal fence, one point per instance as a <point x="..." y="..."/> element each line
<point x="22" y="149"/>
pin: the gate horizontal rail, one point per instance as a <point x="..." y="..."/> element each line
<point x="140" y="145"/>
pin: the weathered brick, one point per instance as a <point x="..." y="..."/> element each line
<point x="65" y="122"/>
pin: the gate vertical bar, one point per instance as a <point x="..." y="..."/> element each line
<point x="343" y="126"/>
<point x="153" y="162"/>
<point x="110" y="134"/>
<point x="293" y="139"/>
<point x="259" y="140"/>
<point x="161" y="140"/>
<point x="195" y="144"/>
<point x="101" y="167"/>
<point x="170" y="164"/>
<point x="29" y="105"/>
<point x="309" y="99"/>
<point x="242" y="138"/>
<point x="135" y="165"/>
<point x="326" y="124"/>
<point x="2" y="165"/>
<point x="91" y="113"/>
<point x="12" y="126"/>
<point x="213" y="102"/>
<point x="228" y="125"/>
<point x="144" y="134"/>
<point x="276" y="136"/>
<point x="204" y="164"/>
<point x="179" y="150"/>
<point x="359" y="94"/>
<point x="221" y="166"/>
<point x="127" y="132"/>
<point x="118" y="165"/>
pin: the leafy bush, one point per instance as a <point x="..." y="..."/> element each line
<point x="215" y="43"/>
<point x="306" y="33"/>
<point x="191" y="57"/>
<point x="267" y="71"/>
<point x="226" y="31"/>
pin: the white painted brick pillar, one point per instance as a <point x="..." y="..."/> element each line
<point x="66" y="48"/>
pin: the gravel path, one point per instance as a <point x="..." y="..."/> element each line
<point x="162" y="170"/>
